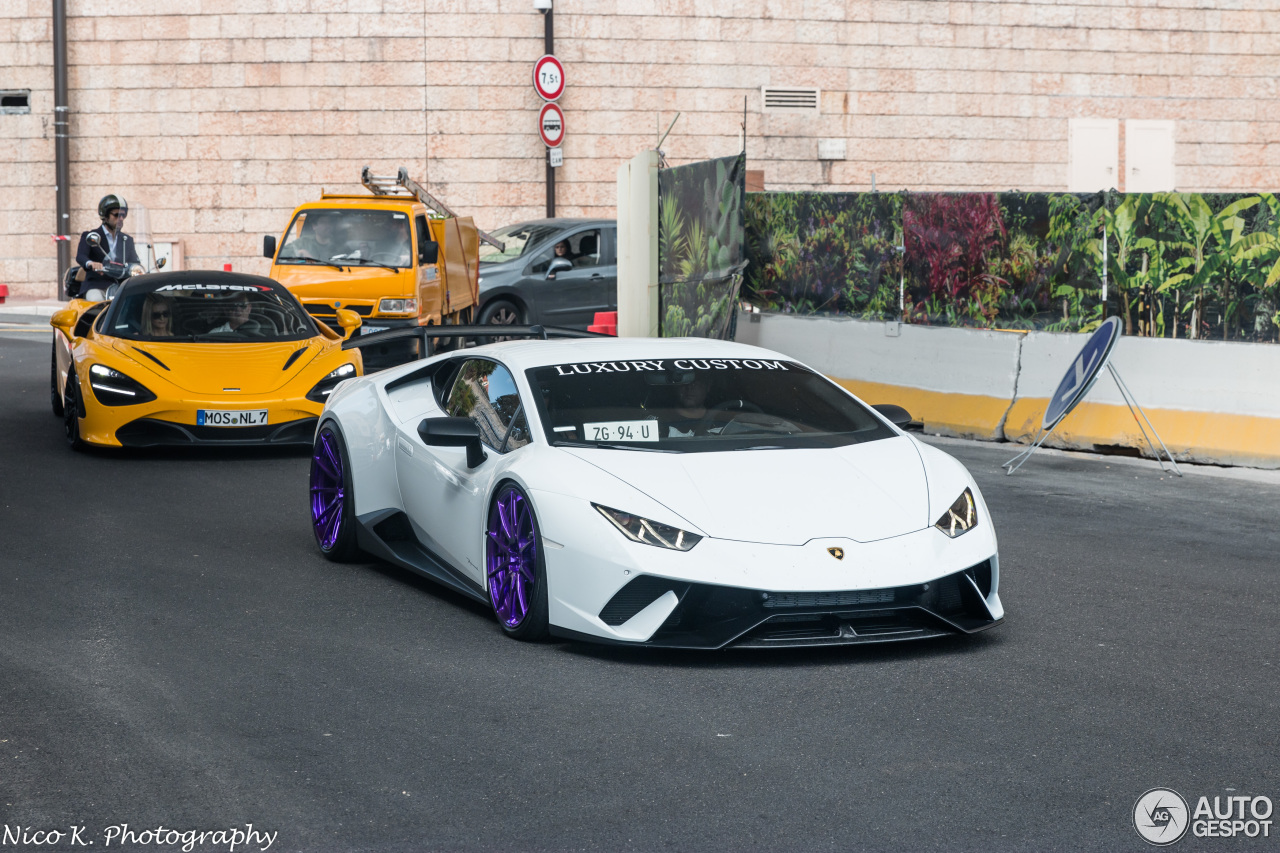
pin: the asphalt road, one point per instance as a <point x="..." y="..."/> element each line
<point x="174" y="651"/>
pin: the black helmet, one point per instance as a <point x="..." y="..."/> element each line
<point x="109" y="203"/>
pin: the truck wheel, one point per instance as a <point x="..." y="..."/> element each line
<point x="499" y="312"/>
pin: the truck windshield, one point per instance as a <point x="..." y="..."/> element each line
<point x="516" y="240"/>
<point x="690" y="405"/>
<point x="376" y="237"/>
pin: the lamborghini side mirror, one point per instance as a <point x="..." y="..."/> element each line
<point x="895" y="415"/>
<point x="453" y="432"/>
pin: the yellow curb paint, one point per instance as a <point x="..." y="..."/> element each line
<point x="1213" y="437"/>
<point x="964" y="415"/>
<point x="1208" y="437"/>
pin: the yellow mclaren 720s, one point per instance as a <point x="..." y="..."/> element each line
<point x="195" y="358"/>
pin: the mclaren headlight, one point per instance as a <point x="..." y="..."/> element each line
<point x="113" y="388"/>
<point x="648" y="532"/>
<point x="960" y="518"/>
<point x="325" y="386"/>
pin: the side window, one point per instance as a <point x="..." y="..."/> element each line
<point x="424" y="233"/>
<point x="485" y="392"/>
<point x="581" y="249"/>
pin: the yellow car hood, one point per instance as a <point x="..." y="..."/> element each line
<point x="255" y="368"/>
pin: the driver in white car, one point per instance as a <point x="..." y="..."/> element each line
<point x="691" y="408"/>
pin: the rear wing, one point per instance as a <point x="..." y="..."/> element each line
<point x="428" y="335"/>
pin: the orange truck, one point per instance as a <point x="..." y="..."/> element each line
<point x="397" y="256"/>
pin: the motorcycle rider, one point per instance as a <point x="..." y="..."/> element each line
<point x="113" y="245"/>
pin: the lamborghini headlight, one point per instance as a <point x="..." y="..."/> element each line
<point x="648" y="532"/>
<point x="113" y="388"/>
<point x="325" y="386"/>
<point x="960" y="518"/>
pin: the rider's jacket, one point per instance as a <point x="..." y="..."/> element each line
<point x="85" y="252"/>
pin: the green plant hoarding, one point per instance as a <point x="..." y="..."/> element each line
<point x="700" y="246"/>
<point x="825" y="253"/>
<point x="1169" y="264"/>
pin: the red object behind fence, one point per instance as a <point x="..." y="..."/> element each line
<point x="4" y="292"/>
<point x="606" y="323"/>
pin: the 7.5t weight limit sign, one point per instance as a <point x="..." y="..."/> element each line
<point x="551" y="125"/>
<point x="548" y="78"/>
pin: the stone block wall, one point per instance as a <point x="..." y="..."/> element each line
<point x="220" y="115"/>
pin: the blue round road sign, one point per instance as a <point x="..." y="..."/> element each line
<point x="1083" y="372"/>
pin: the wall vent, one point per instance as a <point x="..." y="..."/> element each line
<point x="789" y="99"/>
<point x="15" y="100"/>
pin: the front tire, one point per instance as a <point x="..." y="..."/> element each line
<point x="514" y="565"/>
<point x="499" y="312"/>
<point x="332" y="498"/>
<point x="71" y="411"/>
<point x="55" y="397"/>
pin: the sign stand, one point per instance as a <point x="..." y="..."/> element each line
<point x="1132" y="403"/>
<point x="1076" y="384"/>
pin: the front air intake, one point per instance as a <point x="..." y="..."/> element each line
<point x="636" y="596"/>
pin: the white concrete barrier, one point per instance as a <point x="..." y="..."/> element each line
<point x="958" y="381"/>
<point x="1211" y="402"/>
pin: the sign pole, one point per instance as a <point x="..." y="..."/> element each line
<point x="1132" y="403"/>
<point x="549" y="38"/>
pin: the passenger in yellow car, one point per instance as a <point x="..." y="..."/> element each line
<point x="157" y="316"/>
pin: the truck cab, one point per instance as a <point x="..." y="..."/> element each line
<point x="389" y="256"/>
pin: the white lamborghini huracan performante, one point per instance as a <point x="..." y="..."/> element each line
<point x="663" y="492"/>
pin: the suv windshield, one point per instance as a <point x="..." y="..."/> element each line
<point x="217" y="310"/>
<point x="516" y="240"/>
<point x="697" y="404"/>
<point x="346" y="237"/>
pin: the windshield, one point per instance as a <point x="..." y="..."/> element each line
<point x="696" y="404"/>
<point x="348" y="237"/>
<point x="224" y="309"/>
<point x="516" y="240"/>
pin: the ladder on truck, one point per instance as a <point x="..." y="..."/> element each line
<point x="402" y="185"/>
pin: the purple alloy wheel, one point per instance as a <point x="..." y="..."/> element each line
<point x="327" y="490"/>
<point x="511" y="557"/>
